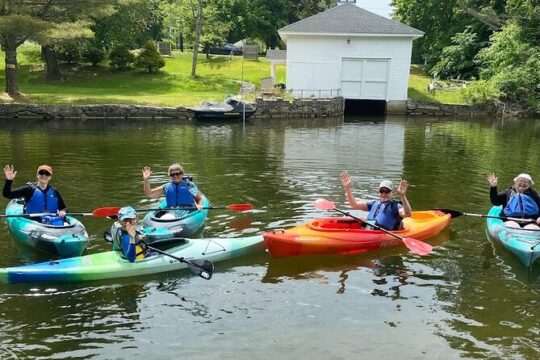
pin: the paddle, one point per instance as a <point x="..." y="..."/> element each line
<point x="97" y="213"/>
<point x="416" y="246"/>
<point x="113" y="211"/>
<point x="455" y="214"/>
<point x="203" y="268"/>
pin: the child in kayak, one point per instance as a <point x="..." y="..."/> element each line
<point x="125" y="238"/>
<point x="519" y="201"/>
<point x="38" y="197"/>
<point x="385" y="212"/>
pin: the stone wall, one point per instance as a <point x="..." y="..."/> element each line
<point x="432" y="109"/>
<point x="275" y="108"/>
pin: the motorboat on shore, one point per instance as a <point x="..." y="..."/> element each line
<point x="231" y="109"/>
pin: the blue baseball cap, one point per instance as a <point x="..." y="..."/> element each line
<point x="127" y="212"/>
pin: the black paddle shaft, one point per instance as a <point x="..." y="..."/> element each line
<point x="203" y="268"/>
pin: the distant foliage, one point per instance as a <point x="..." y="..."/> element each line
<point x="120" y="57"/>
<point x="69" y="51"/>
<point x="93" y="53"/>
<point x="149" y="58"/>
<point x="481" y="93"/>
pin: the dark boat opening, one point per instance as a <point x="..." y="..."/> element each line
<point x="365" y="107"/>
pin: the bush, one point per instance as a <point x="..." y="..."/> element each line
<point x="481" y="93"/>
<point x="120" y="57"/>
<point x="149" y="58"/>
<point x="93" y="54"/>
<point x="69" y="51"/>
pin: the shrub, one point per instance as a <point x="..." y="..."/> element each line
<point x="481" y="93"/>
<point x="93" y="53"/>
<point x="120" y="57"/>
<point x="149" y="58"/>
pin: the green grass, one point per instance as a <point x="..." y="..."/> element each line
<point x="418" y="83"/>
<point x="217" y="77"/>
<point x="173" y="85"/>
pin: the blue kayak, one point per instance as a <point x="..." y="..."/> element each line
<point x="165" y="224"/>
<point x="65" y="240"/>
<point x="523" y="243"/>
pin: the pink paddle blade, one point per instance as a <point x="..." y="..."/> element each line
<point x="418" y="247"/>
<point x="323" y="204"/>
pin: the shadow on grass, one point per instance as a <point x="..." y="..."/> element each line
<point x="420" y="96"/>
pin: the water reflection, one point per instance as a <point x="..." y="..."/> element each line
<point x="469" y="299"/>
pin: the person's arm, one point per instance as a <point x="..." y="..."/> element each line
<point x="151" y="193"/>
<point x="24" y="191"/>
<point x="192" y="187"/>
<point x="497" y="198"/>
<point x="406" y="210"/>
<point x="62" y="208"/>
<point x="346" y="181"/>
<point x="129" y="247"/>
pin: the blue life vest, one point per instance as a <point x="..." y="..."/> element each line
<point x="178" y="194"/>
<point x="521" y="205"/>
<point x="119" y="237"/>
<point x="385" y="215"/>
<point x="42" y="201"/>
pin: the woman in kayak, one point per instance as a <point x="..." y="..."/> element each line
<point x="38" y="197"/>
<point x="519" y="201"/>
<point x="125" y="238"/>
<point x="385" y="212"/>
<point x="180" y="191"/>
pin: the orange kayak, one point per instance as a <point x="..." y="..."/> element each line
<point x="344" y="235"/>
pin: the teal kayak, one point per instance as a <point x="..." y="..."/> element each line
<point x="109" y="265"/>
<point x="66" y="240"/>
<point x="158" y="225"/>
<point x="523" y="243"/>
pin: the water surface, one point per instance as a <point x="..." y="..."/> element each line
<point x="469" y="299"/>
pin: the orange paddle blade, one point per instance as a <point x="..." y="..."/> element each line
<point x="417" y="246"/>
<point x="240" y="207"/>
<point x="106" y="211"/>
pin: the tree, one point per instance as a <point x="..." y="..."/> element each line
<point x="42" y="21"/>
<point x="149" y="58"/>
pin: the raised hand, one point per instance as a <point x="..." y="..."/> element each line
<point x="346" y="180"/>
<point x="492" y="179"/>
<point x="402" y="187"/>
<point x="146" y="172"/>
<point x="9" y="172"/>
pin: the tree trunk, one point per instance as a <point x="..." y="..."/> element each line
<point x="12" y="86"/>
<point x="51" y="63"/>
<point x="198" y="25"/>
<point x="181" y="42"/>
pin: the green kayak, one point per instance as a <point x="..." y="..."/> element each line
<point x="109" y="265"/>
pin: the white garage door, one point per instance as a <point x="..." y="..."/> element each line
<point x="365" y="78"/>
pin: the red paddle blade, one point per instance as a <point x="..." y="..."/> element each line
<point x="418" y="247"/>
<point x="106" y="211"/>
<point x="239" y="207"/>
<point x="323" y="204"/>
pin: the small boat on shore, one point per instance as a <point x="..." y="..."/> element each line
<point x="110" y="265"/>
<point x="64" y="239"/>
<point x="523" y="243"/>
<point x="231" y="109"/>
<point x="345" y="235"/>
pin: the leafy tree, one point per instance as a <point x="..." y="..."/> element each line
<point x="149" y="58"/>
<point x="120" y="57"/>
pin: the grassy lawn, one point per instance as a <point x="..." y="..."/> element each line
<point x="418" y="82"/>
<point x="217" y="77"/>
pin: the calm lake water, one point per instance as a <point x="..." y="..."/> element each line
<point x="469" y="299"/>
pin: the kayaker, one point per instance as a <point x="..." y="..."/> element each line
<point x="180" y="191"/>
<point x="38" y="197"/>
<point x="519" y="201"/>
<point x="126" y="239"/>
<point x="385" y="212"/>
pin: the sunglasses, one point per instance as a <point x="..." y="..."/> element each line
<point x="44" y="172"/>
<point x="176" y="174"/>
<point x="385" y="191"/>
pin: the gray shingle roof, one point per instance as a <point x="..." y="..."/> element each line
<point x="349" y="19"/>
